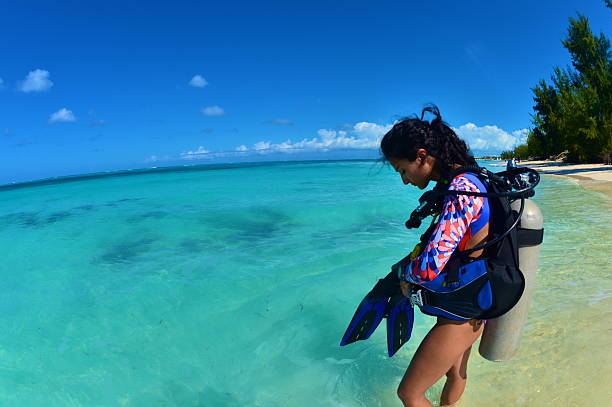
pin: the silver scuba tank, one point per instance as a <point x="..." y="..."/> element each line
<point x="501" y="335"/>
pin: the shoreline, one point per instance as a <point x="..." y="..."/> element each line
<point x="596" y="177"/>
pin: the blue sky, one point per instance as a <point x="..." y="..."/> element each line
<point x="117" y="85"/>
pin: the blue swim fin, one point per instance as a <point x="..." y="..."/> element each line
<point x="384" y="301"/>
<point x="400" y="320"/>
<point x="366" y="319"/>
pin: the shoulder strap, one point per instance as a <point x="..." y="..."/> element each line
<point x="474" y="169"/>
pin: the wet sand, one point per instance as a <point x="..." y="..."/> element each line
<point x="597" y="177"/>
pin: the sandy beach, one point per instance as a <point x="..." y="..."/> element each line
<point x="597" y="177"/>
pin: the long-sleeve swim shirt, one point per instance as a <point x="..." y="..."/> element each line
<point x="462" y="216"/>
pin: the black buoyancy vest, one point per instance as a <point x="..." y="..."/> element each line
<point x="481" y="287"/>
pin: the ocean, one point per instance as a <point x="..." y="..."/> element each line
<point x="232" y="285"/>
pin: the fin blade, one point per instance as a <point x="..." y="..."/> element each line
<point x="399" y="323"/>
<point x="367" y="317"/>
<point x="372" y="309"/>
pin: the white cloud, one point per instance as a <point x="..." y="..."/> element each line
<point x="212" y="111"/>
<point x="62" y="115"/>
<point x="327" y="136"/>
<point x="489" y="138"/>
<point x="371" y="131"/>
<point x="36" y="81"/>
<point x="521" y="135"/>
<point x="367" y="136"/>
<point x="363" y="135"/>
<point x="155" y="158"/>
<point x="262" y="145"/>
<point x="198" y="81"/>
<point x="190" y="155"/>
<point x="280" y="122"/>
<point x="98" y="123"/>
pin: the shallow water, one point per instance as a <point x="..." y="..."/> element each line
<point x="232" y="287"/>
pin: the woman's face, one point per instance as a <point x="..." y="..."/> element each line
<point x="417" y="172"/>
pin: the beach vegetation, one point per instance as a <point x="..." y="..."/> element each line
<point x="573" y="110"/>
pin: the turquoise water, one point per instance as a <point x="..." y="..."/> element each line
<point x="233" y="287"/>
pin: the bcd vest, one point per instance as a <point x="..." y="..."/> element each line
<point x="481" y="287"/>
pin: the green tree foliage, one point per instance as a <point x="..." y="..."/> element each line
<point x="574" y="112"/>
<point x="521" y="152"/>
<point x="546" y="120"/>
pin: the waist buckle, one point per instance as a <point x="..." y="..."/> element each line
<point x="416" y="298"/>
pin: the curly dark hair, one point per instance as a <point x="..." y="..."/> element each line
<point x="440" y="141"/>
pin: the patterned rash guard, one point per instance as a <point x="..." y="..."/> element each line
<point x="461" y="218"/>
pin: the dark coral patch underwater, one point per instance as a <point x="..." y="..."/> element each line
<point x="26" y="219"/>
<point x="192" y="245"/>
<point x="58" y="216"/>
<point x="147" y="215"/>
<point x="85" y="207"/>
<point x="126" y="251"/>
<point x="252" y="224"/>
<point x="120" y="201"/>
<point x="34" y="219"/>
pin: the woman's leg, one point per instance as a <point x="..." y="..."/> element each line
<point x="456" y="379"/>
<point x="442" y="348"/>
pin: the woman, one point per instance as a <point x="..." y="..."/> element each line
<point x="422" y="151"/>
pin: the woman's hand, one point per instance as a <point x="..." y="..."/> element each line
<point x="405" y="286"/>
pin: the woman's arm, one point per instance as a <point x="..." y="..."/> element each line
<point x="458" y="212"/>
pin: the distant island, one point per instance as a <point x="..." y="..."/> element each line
<point x="489" y="157"/>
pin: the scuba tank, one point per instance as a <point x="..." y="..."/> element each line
<point x="501" y="336"/>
